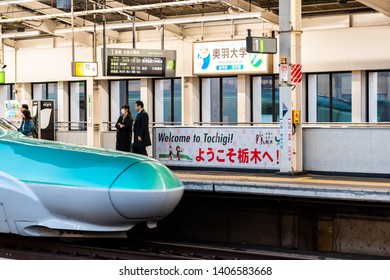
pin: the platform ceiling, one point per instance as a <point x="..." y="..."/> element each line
<point x="19" y="16"/>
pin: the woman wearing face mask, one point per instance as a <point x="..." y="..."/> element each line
<point x="124" y="126"/>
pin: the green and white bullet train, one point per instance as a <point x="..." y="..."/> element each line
<point x="54" y="189"/>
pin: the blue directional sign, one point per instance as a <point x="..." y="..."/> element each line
<point x="285" y="109"/>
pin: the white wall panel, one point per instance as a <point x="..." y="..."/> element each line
<point x="48" y="64"/>
<point x="359" y="48"/>
<point x="356" y="150"/>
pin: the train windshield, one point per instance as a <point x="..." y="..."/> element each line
<point x="6" y="125"/>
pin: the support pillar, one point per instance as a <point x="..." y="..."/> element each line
<point x="243" y="98"/>
<point x="93" y="116"/>
<point x="191" y="100"/>
<point x="290" y="94"/>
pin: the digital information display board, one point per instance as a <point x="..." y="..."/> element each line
<point x="135" y="66"/>
<point x="137" y="62"/>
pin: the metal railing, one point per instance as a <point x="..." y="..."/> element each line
<point x="238" y="123"/>
<point x="110" y="126"/>
<point x="346" y="125"/>
<point x="75" y="126"/>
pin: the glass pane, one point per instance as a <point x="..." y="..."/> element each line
<point x="12" y="92"/>
<point x="341" y="97"/>
<point x="177" y="100"/>
<point x="5" y="94"/>
<point x="163" y="101"/>
<point x="117" y="99"/>
<point x="122" y="94"/>
<point x="78" y="106"/>
<point x="277" y="101"/>
<point x="229" y="99"/>
<point x="383" y="97"/>
<point x="39" y="91"/>
<point x="215" y="101"/>
<point x="134" y="94"/>
<point x="266" y="99"/>
<point x="167" y="101"/>
<point x="53" y="95"/>
<point x="323" y="98"/>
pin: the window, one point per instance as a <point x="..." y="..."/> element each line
<point x="168" y="101"/>
<point x="379" y="96"/>
<point x="330" y="97"/>
<point x="133" y="94"/>
<point x="123" y="92"/>
<point x="219" y="100"/>
<point x="46" y="91"/>
<point x="6" y="93"/>
<point x="78" y="110"/>
<point x="265" y="98"/>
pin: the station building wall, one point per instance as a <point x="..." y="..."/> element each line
<point x="344" y="43"/>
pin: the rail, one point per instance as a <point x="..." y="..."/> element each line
<point x="238" y="123"/>
<point x="346" y="125"/>
<point x="75" y="126"/>
<point x="305" y="124"/>
<point x="110" y="126"/>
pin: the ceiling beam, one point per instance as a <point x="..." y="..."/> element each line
<point x="48" y="26"/>
<point x="109" y="10"/>
<point x="380" y="6"/>
<point x="176" y="30"/>
<point x="49" y="10"/>
<point x="245" y="6"/>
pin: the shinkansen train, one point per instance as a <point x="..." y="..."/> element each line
<point x="54" y="189"/>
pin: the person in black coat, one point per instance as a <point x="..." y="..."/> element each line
<point x="124" y="126"/>
<point x="141" y="130"/>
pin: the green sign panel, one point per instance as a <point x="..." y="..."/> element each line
<point x="261" y="45"/>
<point x="2" y="77"/>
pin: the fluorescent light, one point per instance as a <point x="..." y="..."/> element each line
<point x="181" y="20"/>
<point x="20" y="34"/>
<point x="14" y="2"/>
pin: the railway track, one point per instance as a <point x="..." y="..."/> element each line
<point x="55" y="249"/>
<point x="127" y="249"/>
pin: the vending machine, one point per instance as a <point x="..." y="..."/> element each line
<point x="45" y="117"/>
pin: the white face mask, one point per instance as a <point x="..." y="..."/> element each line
<point x="123" y="111"/>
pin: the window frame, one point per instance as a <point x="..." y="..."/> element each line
<point x="368" y="103"/>
<point x="110" y="120"/>
<point x="330" y="82"/>
<point x="275" y="81"/>
<point x="220" y="96"/>
<point x="172" y="99"/>
<point x="84" y="126"/>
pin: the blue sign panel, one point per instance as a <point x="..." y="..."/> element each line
<point x="64" y="4"/>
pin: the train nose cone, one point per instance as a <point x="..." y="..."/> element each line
<point x="146" y="190"/>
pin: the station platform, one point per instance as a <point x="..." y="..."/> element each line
<point x="357" y="189"/>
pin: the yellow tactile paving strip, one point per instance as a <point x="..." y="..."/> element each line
<point x="309" y="180"/>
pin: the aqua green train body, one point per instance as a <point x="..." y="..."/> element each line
<point x="49" y="188"/>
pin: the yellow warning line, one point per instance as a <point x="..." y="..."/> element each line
<point x="304" y="180"/>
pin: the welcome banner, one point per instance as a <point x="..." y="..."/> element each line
<point x="221" y="147"/>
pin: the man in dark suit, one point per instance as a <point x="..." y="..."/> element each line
<point x="141" y="130"/>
